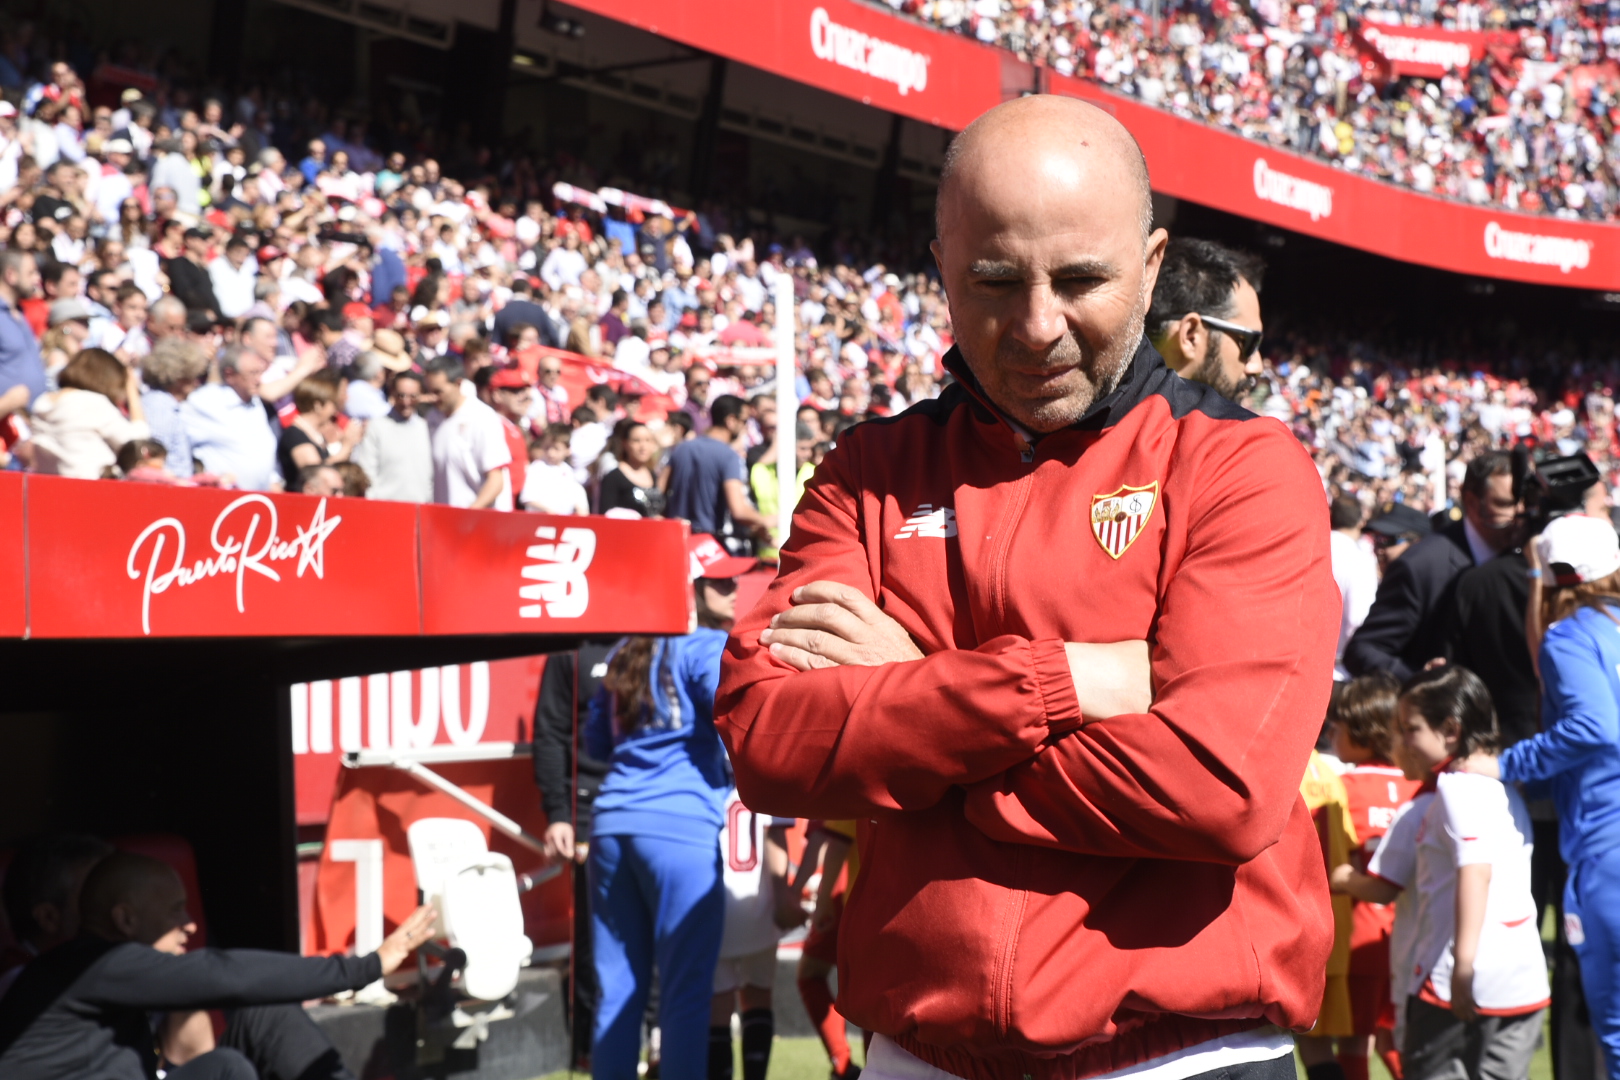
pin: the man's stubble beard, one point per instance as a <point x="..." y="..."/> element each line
<point x="1102" y="373"/>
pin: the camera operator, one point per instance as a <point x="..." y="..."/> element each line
<point x="1405" y="628"/>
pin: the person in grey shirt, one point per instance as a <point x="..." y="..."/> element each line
<point x="396" y="451"/>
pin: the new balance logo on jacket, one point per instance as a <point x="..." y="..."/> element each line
<point x="939" y="524"/>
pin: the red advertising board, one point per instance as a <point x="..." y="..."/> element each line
<point x="865" y="53"/>
<point x="1194" y="161"/>
<point x="453" y="705"/>
<point x="13" y="557"/>
<point x="134" y="560"/>
<point x="1426" y="51"/>
<point x="856" y="50"/>
<point x="485" y="572"/>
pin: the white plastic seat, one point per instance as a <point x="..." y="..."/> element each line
<point x="476" y="893"/>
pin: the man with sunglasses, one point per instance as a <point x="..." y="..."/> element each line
<point x="1205" y="315"/>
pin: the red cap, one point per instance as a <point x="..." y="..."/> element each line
<point x="508" y="379"/>
<point x="356" y="310"/>
<point x="710" y="560"/>
<point x="268" y="253"/>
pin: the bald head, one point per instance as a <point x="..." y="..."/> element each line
<point x="1048" y="255"/>
<point x="136" y="898"/>
<point x="1043" y="129"/>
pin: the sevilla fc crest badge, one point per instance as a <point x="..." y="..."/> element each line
<point x="1119" y="517"/>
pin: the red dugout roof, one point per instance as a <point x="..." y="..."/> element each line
<point x="862" y="52"/>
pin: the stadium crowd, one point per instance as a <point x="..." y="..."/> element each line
<point x="1529" y="126"/>
<point x="175" y="287"/>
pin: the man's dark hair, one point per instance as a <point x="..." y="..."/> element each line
<point x="449" y="366"/>
<point x="307" y="476"/>
<point x="249" y="324"/>
<point x="1365" y="709"/>
<point x="515" y="331"/>
<point x="582" y="414"/>
<point x="328" y="319"/>
<point x="51" y="271"/>
<point x="619" y="297"/>
<point x="725" y="407"/>
<point x="682" y="420"/>
<point x="1489" y="464"/>
<point x="1344" y="512"/>
<point x="43" y="872"/>
<point x="521" y="286"/>
<point x="1455" y="693"/>
<point x="128" y="290"/>
<point x="393" y="380"/>
<point x="1199" y="275"/>
<point x="604" y="394"/>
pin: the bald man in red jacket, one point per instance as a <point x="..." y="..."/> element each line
<point x="1061" y="877"/>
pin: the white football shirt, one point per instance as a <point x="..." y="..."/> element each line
<point x="750" y="907"/>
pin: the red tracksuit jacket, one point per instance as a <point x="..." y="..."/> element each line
<point x="1045" y="896"/>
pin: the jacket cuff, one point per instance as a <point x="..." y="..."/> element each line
<point x="1056" y="683"/>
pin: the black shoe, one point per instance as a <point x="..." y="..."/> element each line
<point x="851" y="1071"/>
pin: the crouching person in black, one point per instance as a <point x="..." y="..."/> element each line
<point x="100" y="1004"/>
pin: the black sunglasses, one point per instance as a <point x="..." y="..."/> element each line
<point x="1248" y="341"/>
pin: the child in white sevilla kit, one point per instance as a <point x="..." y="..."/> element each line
<point x="760" y="907"/>
<point x="1476" y="978"/>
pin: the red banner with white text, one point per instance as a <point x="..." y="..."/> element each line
<point x="139" y="560"/>
<point x="452" y="705"/>
<point x="1191" y="160"/>
<point x="847" y="48"/>
<point x="1425" y="51"/>
<point x="867" y="54"/>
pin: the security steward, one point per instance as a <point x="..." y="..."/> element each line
<point x="1061" y="640"/>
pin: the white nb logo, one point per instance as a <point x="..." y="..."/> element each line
<point x="560" y="568"/>
<point x="927" y="522"/>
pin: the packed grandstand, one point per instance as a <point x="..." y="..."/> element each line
<point x="1524" y="121"/>
<point x="225" y="206"/>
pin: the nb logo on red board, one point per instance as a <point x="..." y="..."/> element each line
<point x="559" y="569"/>
<point x="245" y="538"/>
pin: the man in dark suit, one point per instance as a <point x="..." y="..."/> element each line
<point x="521" y="310"/>
<point x="1406" y="627"/>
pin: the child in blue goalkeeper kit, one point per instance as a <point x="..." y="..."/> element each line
<point x="1577" y="754"/>
<point x="656" y="886"/>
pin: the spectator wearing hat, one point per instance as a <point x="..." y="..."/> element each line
<point x="396" y="451"/>
<point x="69" y="326"/>
<point x="1405" y="629"/>
<point x="511" y="397"/>
<point x="1394" y="530"/>
<point x="172" y="370"/>
<point x="430" y="331"/>
<point x="232" y="276"/>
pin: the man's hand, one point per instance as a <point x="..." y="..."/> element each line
<point x="1110" y="680"/>
<point x="788" y="913"/>
<point x="414" y="932"/>
<point x="560" y="841"/>
<point x="833" y="625"/>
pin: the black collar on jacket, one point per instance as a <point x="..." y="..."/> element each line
<point x="1146" y="375"/>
